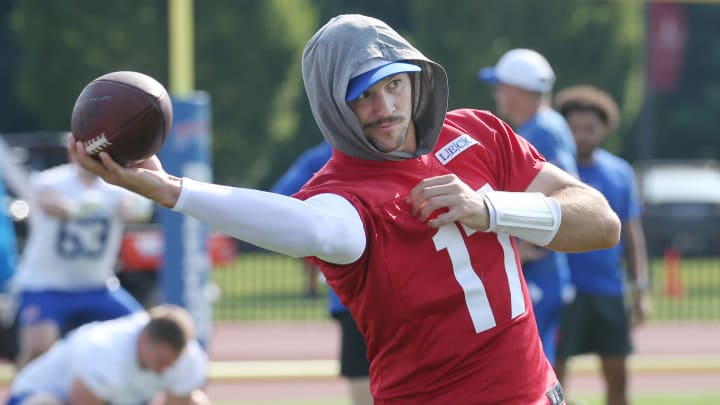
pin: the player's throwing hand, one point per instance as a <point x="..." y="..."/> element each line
<point x="146" y="178"/>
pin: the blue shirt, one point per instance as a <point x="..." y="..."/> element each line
<point x="303" y="169"/>
<point x="550" y="134"/>
<point x="600" y="272"/>
<point x="294" y="178"/>
<point x="8" y="245"/>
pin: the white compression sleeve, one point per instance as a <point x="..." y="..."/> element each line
<point x="529" y="216"/>
<point x="325" y="225"/>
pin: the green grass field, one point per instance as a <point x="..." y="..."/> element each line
<point x="269" y="287"/>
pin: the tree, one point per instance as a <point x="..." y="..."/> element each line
<point x="247" y="58"/>
<point x="14" y="116"/>
<point x="67" y="44"/>
<point x="598" y="43"/>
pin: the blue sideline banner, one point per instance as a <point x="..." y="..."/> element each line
<point x="185" y="273"/>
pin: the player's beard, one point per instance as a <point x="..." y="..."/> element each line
<point x="388" y="143"/>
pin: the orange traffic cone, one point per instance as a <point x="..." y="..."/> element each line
<point x="673" y="277"/>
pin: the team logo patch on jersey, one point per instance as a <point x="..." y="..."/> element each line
<point x="454" y="148"/>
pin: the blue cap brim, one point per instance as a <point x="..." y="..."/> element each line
<point x="360" y="84"/>
<point x="487" y="75"/>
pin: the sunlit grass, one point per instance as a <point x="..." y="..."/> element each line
<point x="267" y="287"/>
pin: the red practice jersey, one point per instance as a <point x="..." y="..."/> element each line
<point x="445" y="312"/>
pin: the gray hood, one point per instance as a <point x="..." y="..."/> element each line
<point x="336" y="51"/>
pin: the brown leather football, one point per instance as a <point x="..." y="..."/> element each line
<point x="126" y="114"/>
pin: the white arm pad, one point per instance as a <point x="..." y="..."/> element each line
<point x="529" y="216"/>
<point x="325" y="225"/>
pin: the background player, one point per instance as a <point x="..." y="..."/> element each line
<point x="128" y="360"/>
<point x="597" y="321"/>
<point x="523" y="81"/>
<point x="354" y="364"/>
<point x="66" y="276"/>
<point x="407" y="221"/>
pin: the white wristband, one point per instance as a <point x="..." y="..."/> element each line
<point x="529" y="216"/>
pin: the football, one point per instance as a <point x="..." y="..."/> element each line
<point x="126" y="114"/>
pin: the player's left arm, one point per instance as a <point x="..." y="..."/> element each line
<point x="635" y="252"/>
<point x="80" y="394"/>
<point x="556" y="210"/>
<point x="587" y="221"/>
<point x="197" y="397"/>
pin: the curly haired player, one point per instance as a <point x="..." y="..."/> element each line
<point x="596" y="321"/>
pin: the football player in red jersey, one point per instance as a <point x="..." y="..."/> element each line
<point x="411" y="221"/>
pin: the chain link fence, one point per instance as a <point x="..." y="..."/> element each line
<point x="268" y="287"/>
